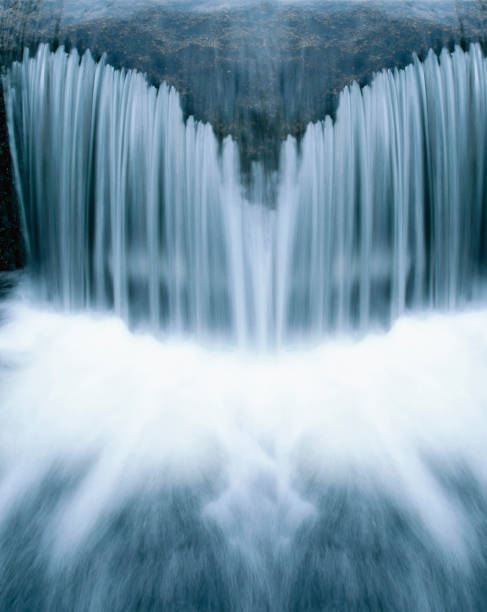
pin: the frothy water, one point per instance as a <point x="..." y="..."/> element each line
<point x="168" y="472"/>
<point x="136" y="211"/>
<point x="150" y="457"/>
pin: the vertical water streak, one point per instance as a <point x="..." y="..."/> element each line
<point x="129" y="207"/>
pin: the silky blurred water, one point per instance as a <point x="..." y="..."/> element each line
<point x="139" y="212"/>
<point x="252" y="390"/>
<point x="151" y="474"/>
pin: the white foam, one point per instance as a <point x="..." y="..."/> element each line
<point x="374" y="413"/>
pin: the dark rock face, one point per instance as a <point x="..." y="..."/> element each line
<point x="262" y="72"/>
<point x="11" y="251"/>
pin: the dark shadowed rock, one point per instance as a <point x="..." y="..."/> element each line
<point x="11" y="252"/>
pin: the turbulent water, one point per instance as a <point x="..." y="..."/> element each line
<point x="145" y="464"/>
<point x="139" y="475"/>
<point x="129" y="208"/>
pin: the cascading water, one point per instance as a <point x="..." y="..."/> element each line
<point x="148" y="474"/>
<point x="129" y="208"/>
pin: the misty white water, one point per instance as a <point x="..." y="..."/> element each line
<point x="128" y="207"/>
<point x="140" y="474"/>
<point x="168" y="476"/>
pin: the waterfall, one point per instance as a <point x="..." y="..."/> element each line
<point x="140" y="474"/>
<point x="128" y="207"/>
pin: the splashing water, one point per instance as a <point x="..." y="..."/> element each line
<point x="166" y="475"/>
